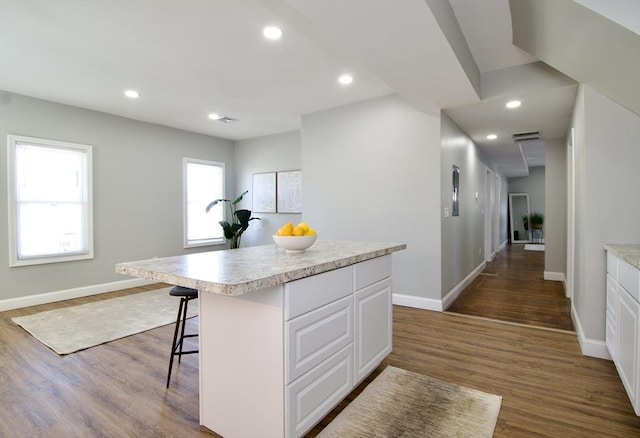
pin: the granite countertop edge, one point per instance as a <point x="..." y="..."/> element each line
<point x="630" y="253"/>
<point x="248" y="285"/>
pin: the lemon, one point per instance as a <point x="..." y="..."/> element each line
<point x="310" y="232"/>
<point x="304" y="226"/>
<point x="298" y="231"/>
<point x="285" y="230"/>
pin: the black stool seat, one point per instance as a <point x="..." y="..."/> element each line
<point x="180" y="291"/>
<point x="186" y="294"/>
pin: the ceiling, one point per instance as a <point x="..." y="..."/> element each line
<point x="189" y="59"/>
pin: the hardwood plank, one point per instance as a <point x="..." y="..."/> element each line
<point x="512" y="288"/>
<point x="118" y="389"/>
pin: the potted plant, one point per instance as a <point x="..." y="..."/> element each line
<point x="536" y="220"/>
<point x="239" y="220"/>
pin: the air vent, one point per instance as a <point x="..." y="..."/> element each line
<point x="525" y="136"/>
<point x="227" y="120"/>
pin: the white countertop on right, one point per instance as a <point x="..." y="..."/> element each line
<point x="630" y="253"/>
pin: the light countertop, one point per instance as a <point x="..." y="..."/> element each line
<point x="243" y="270"/>
<point x="628" y="253"/>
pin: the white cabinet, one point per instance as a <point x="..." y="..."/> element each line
<point x="623" y="324"/>
<point x="627" y="359"/>
<point x="337" y="330"/>
<point x="611" y="320"/>
<point x="275" y="361"/>
<point x="312" y="338"/>
<point x="373" y="328"/>
<point x="313" y="395"/>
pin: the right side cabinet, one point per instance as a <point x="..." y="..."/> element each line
<point x="623" y="324"/>
<point x="373" y="316"/>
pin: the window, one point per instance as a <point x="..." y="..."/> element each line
<point x="203" y="183"/>
<point x="50" y="208"/>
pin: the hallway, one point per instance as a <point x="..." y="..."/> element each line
<point x="512" y="289"/>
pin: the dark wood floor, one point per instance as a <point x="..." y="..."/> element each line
<point x="118" y="389"/>
<point x="512" y="288"/>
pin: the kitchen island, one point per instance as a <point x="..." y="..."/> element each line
<point x="283" y="337"/>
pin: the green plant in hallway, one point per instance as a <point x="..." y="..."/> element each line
<point x="536" y="220"/>
<point x="239" y="220"/>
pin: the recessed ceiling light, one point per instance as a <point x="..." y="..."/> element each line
<point x="132" y="94"/>
<point x="345" y="79"/>
<point x="272" y="32"/>
<point x="491" y="137"/>
<point x="513" y="104"/>
<point x="214" y="116"/>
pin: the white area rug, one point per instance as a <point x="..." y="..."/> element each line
<point x="75" y="328"/>
<point x="400" y="403"/>
<point x="534" y="247"/>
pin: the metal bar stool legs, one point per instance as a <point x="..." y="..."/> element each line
<point x="186" y="295"/>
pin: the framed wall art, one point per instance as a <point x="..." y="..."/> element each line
<point x="264" y="192"/>
<point x="289" y="188"/>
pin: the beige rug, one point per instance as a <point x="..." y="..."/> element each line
<point x="403" y="404"/>
<point x="75" y="328"/>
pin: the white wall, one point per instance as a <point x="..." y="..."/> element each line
<point x="607" y="203"/>
<point x="372" y="172"/>
<point x="137" y="183"/>
<point x="534" y="185"/>
<point x="503" y="190"/>
<point x="272" y="153"/>
<point x="463" y="243"/>
<point x="555" y="220"/>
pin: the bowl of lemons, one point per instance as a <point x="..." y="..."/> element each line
<point x="295" y="239"/>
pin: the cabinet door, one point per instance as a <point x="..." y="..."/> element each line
<point x="611" y="317"/>
<point x="627" y="331"/>
<point x="373" y="327"/>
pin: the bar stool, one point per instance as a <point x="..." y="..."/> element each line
<point x="186" y="294"/>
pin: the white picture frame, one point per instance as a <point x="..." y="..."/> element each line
<point x="289" y="191"/>
<point x="264" y="192"/>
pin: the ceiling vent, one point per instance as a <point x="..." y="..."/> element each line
<point x="526" y="136"/>
<point x="227" y="120"/>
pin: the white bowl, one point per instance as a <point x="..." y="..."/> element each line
<point x="294" y="244"/>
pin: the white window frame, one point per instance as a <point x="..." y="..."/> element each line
<point x="200" y="242"/>
<point x="14" y="259"/>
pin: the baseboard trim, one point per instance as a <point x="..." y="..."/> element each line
<point x="433" y="304"/>
<point x="453" y="293"/>
<point x="589" y="347"/>
<point x="52" y="297"/>
<point x="554" y="276"/>
<point x="417" y="302"/>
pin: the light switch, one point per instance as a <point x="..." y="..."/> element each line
<point x="446" y="212"/>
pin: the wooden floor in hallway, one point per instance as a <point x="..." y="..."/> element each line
<point x="512" y="288"/>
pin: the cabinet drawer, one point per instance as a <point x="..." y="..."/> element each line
<point x="372" y="271"/>
<point x="317" y="335"/>
<point x="304" y="295"/>
<point x="309" y="398"/>
<point x="629" y="278"/>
